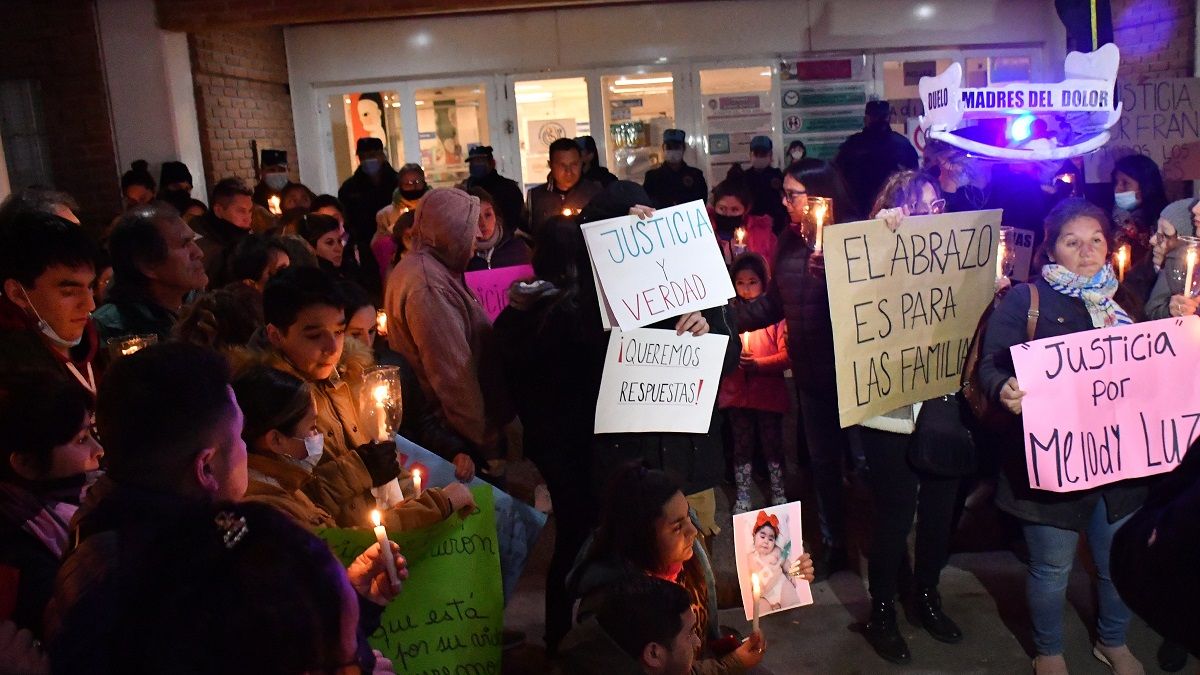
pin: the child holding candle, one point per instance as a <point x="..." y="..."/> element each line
<point x="755" y="395"/>
<point x="306" y="321"/>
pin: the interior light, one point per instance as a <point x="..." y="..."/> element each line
<point x="925" y="11"/>
<point x="535" y="97"/>
<point x="625" y="82"/>
<point x="419" y="102"/>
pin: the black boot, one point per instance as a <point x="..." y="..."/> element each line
<point x="883" y="633"/>
<point x="940" y="626"/>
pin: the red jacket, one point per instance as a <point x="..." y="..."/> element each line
<point x="765" y="388"/>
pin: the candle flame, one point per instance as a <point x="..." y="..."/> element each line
<point x="273" y="203"/>
<point x="740" y="235"/>
<point x="567" y="212"/>
<point x="376" y="517"/>
<point x="380" y="393"/>
<point x="129" y="350"/>
<point x="819" y="212"/>
<point x="754" y="583"/>
<point x="381" y="322"/>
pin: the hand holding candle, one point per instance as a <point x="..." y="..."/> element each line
<point x="385" y="547"/>
<point x="739" y="241"/>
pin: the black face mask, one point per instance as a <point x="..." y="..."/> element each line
<point x="412" y="195"/>
<point x="727" y="223"/>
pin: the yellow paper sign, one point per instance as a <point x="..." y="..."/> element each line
<point x="905" y="304"/>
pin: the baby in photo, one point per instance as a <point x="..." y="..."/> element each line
<point x="768" y="545"/>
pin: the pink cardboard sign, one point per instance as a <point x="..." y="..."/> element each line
<point x="1107" y="405"/>
<point x="491" y="286"/>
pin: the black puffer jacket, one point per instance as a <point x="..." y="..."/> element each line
<point x="798" y="295"/>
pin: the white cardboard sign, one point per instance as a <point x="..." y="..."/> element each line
<point x="655" y="380"/>
<point x="654" y="269"/>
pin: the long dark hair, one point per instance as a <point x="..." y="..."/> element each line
<point x="1149" y="179"/>
<point x="633" y="502"/>
<point x="822" y="179"/>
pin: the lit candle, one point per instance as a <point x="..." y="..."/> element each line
<point x="273" y="205"/>
<point x="385" y="547"/>
<point x="568" y="213"/>
<point x="380" y="393"/>
<point x="1191" y="272"/>
<point x="381" y="322"/>
<point x="756" y="590"/>
<point x="745" y="341"/>
<point x="1000" y="252"/>
<point x="819" y="213"/>
<point x="416" y="478"/>
<point x="1122" y="257"/>
<point x="739" y="235"/>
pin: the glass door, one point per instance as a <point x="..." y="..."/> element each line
<point x="362" y="114"/>
<point x="736" y="104"/>
<point x="548" y="109"/>
<point x="450" y="121"/>
<point x="638" y="108"/>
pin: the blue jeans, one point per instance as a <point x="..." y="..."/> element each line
<point x="1051" y="556"/>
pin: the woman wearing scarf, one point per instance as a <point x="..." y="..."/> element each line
<point x="1077" y="291"/>
<point x="496" y="246"/>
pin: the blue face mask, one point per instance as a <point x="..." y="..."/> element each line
<point x="1126" y="201"/>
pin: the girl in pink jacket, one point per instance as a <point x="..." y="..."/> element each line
<point x="755" y="396"/>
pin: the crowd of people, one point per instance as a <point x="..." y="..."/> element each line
<point x="215" y="450"/>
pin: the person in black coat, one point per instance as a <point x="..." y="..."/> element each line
<point x="565" y="192"/>
<point x="868" y="157"/>
<point x="509" y="199"/>
<point x="765" y="182"/>
<point x="364" y="194"/>
<point x="1076" y="235"/>
<point x="797" y="293"/>
<point x="674" y="182"/>
<point x="592" y="169"/>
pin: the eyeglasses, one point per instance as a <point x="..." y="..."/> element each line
<point x="935" y="207"/>
<point x="413" y="183"/>
<point x="790" y="196"/>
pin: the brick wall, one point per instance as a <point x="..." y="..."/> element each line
<point x="55" y="43"/>
<point x="1156" y="37"/>
<point x="241" y="95"/>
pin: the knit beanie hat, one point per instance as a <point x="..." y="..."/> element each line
<point x="1179" y="214"/>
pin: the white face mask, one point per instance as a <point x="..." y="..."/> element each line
<point x="1126" y="200"/>
<point x="276" y="181"/>
<point x="314" y="446"/>
<point x="760" y="163"/>
<point x="673" y="156"/>
<point x="45" y="327"/>
<point x="797" y="155"/>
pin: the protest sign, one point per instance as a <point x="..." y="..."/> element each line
<point x="904" y="306"/>
<point x="1107" y="405"/>
<point x="491" y="286"/>
<point x="1161" y="120"/>
<point x="653" y="269"/>
<point x="517" y="524"/>
<point x="768" y="542"/>
<point x="450" y="614"/>
<point x="655" y="380"/>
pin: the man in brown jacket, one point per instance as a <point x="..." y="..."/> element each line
<point x="435" y="321"/>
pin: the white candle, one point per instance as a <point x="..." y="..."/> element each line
<point x="756" y="590"/>
<point x="273" y="205"/>
<point x="380" y="393"/>
<point x="745" y="341"/>
<point x="416" y="478"/>
<point x="385" y="546"/>
<point x="1191" y="272"/>
<point x="1122" y="256"/>
<point x="820" y="215"/>
<point x="1000" y="252"/>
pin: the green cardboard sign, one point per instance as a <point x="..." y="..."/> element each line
<point x="449" y="616"/>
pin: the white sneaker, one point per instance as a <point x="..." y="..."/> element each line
<point x="1050" y="665"/>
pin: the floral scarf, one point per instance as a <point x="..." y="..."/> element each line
<point x="1096" y="292"/>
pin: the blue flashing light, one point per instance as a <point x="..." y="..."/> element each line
<point x="1021" y="128"/>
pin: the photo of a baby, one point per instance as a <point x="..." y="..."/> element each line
<point x="768" y="543"/>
